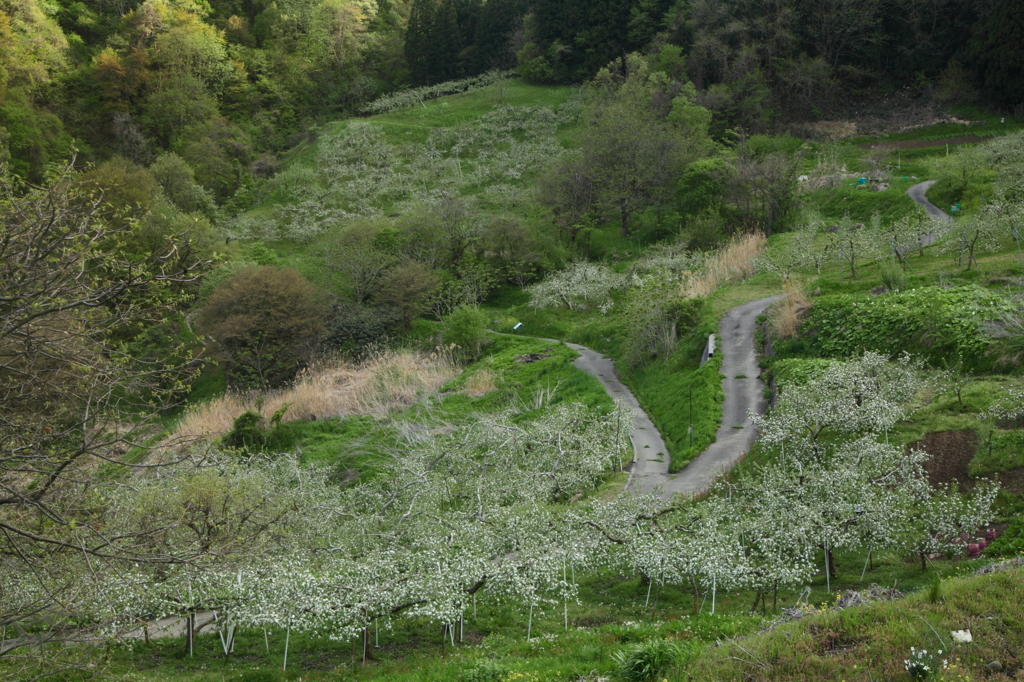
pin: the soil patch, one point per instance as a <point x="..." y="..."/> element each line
<point x="921" y="144"/>
<point x="1012" y="481"/>
<point x="951" y="452"/>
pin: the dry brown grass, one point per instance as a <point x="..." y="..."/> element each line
<point x="732" y="263"/>
<point x="387" y="381"/>
<point x="480" y="384"/>
<point x="784" y="317"/>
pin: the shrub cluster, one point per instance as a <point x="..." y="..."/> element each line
<point x="930" y="322"/>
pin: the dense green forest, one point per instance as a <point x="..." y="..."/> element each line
<point x="228" y="87"/>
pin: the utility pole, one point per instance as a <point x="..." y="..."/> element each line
<point x="691" y="416"/>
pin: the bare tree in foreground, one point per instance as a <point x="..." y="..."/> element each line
<point x="75" y="399"/>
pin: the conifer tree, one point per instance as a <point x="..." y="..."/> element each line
<point x="493" y="29"/>
<point x="998" y="48"/>
<point x="444" y="43"/>
<point x="417" y="41"/>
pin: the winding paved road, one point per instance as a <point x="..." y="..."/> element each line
<point x="650" y="455"/>
<point x="650" y="471"/>
<point x="743" y="391"/>
<point x="919" y="193"/>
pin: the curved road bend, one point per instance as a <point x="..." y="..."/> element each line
<point x="919" y="194"/>
<point x="650" y="468"/>
<point x="736" y="344"/>
<point x="744" y="392"/>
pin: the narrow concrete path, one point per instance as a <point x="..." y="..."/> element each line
<point x="744" y="393"/>
<point x="650" y="454"/>
<point x="919" y="194"/>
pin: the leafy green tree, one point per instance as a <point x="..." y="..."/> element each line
<point x="129" y="139"/>
<point x="654" y="311"/>
<point x="358" y="257"/>
<point x="467" y="285"/>
<point x="126" y="188"/>
<point x="219" y="152"/>
<point x="269" y="321"/>
<point x="194" y="234"/>
<point x="512" y="248"/>
<point x="5" y="148"/>
<point x="701" y="187"/>
<point x="492" y="48"/>
<point x="445" y="43"/>
<point x="961" y="176"/>
<point x="34" y="52"/>
<point x="568" y="189"/>
<point x="839" y="29"/>
<point x="631" y="153"/>
<point x="194" y="48"/>
<point x="763" y="191"/>
<point x="177" y="179"/>
<point x="178" y="101"/>
<point x="361" y="330"/>
<point x="466" y="328"/>
<point x="406" y="289"/>
<point x="578" y="37"/>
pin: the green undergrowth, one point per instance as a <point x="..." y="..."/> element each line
<point x="668" y="390"/>
<point x="871" y="642"/>
<point x="1001" y="450"/>
<point x="544" y="380"/>
<point x="1011" y="542"/>
<point x="961" y="200"/>
<point x="859" y="203"/>
<point x="934" y="323"/>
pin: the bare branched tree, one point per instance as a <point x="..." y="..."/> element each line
<point x="75" y="399"/>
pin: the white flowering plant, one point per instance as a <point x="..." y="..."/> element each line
<point x="924" y="665"/>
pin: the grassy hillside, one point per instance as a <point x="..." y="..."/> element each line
<point x="619" y="614"/>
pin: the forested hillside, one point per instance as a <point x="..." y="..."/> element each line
<point x="227" y="87"/>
